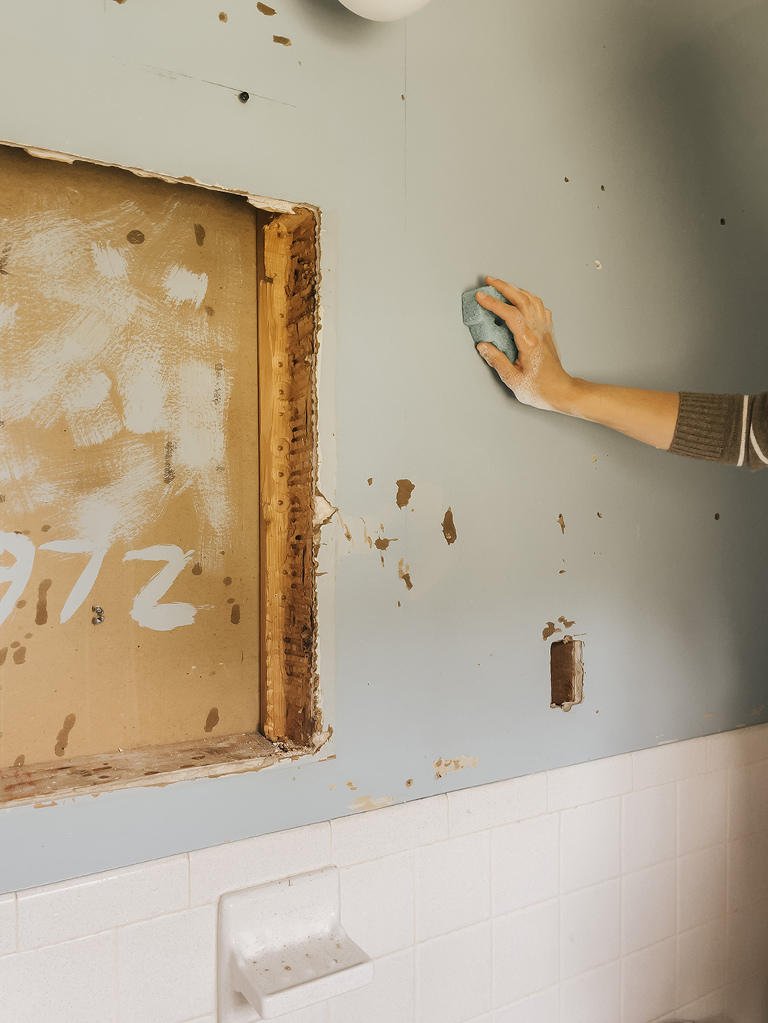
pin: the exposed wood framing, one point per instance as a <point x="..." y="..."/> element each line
<point x="287" y="328"/>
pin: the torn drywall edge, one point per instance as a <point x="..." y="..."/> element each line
<point x="259" y="201"/>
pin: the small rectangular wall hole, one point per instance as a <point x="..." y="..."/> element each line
<point x="566" y="673"/>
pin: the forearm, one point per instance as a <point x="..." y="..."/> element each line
<point x="648" y="416"/>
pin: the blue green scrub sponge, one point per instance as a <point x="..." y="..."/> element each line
<point x="484" y="326"/>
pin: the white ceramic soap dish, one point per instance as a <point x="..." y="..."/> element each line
<point x="282" y="947"/>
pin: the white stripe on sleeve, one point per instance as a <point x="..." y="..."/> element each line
<point x="756" y="446"/>
<point x="743" y="448"/>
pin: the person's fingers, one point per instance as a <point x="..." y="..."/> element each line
<point x="508" y="372"/>
<point x="511" y="315"/>
<point x="514" y="295"/>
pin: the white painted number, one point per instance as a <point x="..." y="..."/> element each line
<point x="147" y="610"/>
<point x="87" y="578"/>
<point x="23" y="551"/>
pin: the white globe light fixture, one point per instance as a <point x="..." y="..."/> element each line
<point x="384" y="10"/>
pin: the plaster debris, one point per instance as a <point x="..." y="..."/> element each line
<point x="368" y="803"/>
<point x="443" y="766"/>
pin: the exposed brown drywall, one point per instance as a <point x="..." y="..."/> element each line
<point x="449" y="528"/>
<point x="566" y="673"/>
<point x="404" y="490"/>
<point x="287" y="282"/>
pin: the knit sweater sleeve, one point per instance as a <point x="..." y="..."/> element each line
<point x="729" y="428"/>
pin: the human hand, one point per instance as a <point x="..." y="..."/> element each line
<point x="537" y="377"/>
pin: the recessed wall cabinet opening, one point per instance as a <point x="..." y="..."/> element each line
<point x="157" y="465"/>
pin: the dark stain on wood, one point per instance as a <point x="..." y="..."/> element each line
<point x="20" y="655"/>
<point x="4" y="257"/>
<point x="3" y="655"/>
<point x="212" y="720"/>
<point x="199" y="229"/>
<point x="197" y="568"/>
<point x="566" y="673"/>
<point x="234" y="616"/>
<point x="134" y="237"/>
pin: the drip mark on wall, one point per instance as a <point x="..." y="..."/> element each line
<point x="62" y="739"/>
<point x="404" y="490"/>
<point x="41" y="614"/>
<point x="449" y="527"/>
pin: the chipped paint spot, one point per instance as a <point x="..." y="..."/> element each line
<point x="449" y="528"/>
<point x="39" y="806"/>
<point x="404" y="573"/>
<point x="351" y="785"/>
<point x="593" y="458"/>
<point x="282" y="40"/>
<point x="710" y="715"/>
<point x="383" y="542"/>
<point x="222" y="17"/>
<point x="62" y="739"/>
<point x="443" y="767"/>
<point x="404" y="490"/>
<point x="368" y="803"/>
<point x="549" y="630"/>
<point x="269" y="11"/>
<point x="561" y="522"/>
<point x="370" y="481"/>
<point x="409" y="783"/>
<point x="565" y="623"/>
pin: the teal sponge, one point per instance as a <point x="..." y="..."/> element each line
<point x="484" y="326"/>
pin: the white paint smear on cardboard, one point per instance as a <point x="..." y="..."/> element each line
<point x="181" y="285"/>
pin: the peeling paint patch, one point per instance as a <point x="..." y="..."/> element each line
<point x="282" y="40"/>
<point x="404" y="573"/>
<point x="404" y="490"/>
<point x="383" y="542"/>
<point x="368" y="803"/>
<point x="549" y="630"/>
<point x="269" y="11"/>
<point x="443" y="766"/>
<point x="561" y="522"/>
<point x="449" y="528"/>
<point x="351" y="785"/>
<point x="565" y="623"/>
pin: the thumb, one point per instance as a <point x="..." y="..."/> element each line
<point x="508" y="372"/>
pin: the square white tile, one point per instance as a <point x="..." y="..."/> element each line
<point x="648" y="983"/>
<point x="503" y="802"/>
<point x="648" y="827"/>
<point x="747" y="942"/>
<point x="543" y="1007"/>
<point x="590" y="928"/>
<point x="747" y="799"/>
<point x="73" y="982"/>
<point x="525" y="863"/>
<point x="670" y="762"/>
<point x="72" y="909"/>
<point x="647" y="906"/>
<point x="588" y="782"/>
<point x="453" y="976"/>
<point x="747" y="873"/>
<point x="701" y="811"/>
<point x="377" y="903"/>
<point x="590" y="844"/>
<point x="7" y="924"/>
<point x="525" y="952"/>
<point x="453" y="885"/>
<point x="225" y="868"/>
<point x="701" y="887"/>
<point x="592" y="997"/>
<point x="166" y="967"/>
<point x="389" y="997"/>
<point x="700" y="961"/>
<point x="393" y="829"/>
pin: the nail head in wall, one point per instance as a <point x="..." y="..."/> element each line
<point x="282" y="40"/>
<point x="269" y="11"/>
<point x="566" y="669"/>
<point x="243" y="97"/>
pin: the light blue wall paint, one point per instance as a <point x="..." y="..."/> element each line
<point x="665" y="106"/>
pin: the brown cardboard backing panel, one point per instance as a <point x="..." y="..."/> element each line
<point x="129" y="446"/>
